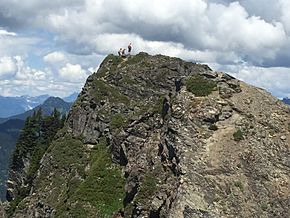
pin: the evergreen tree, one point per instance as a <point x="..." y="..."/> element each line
<point x="35" y="137"/>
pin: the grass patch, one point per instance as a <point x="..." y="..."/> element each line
<point x="77" y="210"/>
<point x="68" y="167"/>
<point x="101" y="73"/>
<point x="128" y="80"/>
<point x="114" y="62"/>
<point x="118" y="121"/>
<point x="103" y="91"/>
<point x="114" y="59"/>
<point x="67" y="151"/>
<point x="238" y="135"/>
<point x="158" y="106"/>
<point x="143" y="107"/>
<point x="22" y="193"/>
<point x="103" y="187"/>
<point x="200" y="86"/>
<point x="147" y="189"/>
<point x="289" y="127"/>
<point x="137" y="58"/>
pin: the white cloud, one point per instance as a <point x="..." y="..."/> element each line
<point x="285" y="17"/>
<point x="55" y="57"/>
<point x="30" y="81"/>
<point x="72" y="73"/>
<point x="7" y="67"/>
<point x="241" y="33"/>
<point x="12" y="44"/>
<point x="199" y="26"/>
<point x="6" y="33"/>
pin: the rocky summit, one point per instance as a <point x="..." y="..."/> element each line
<point x="155" y="136"/>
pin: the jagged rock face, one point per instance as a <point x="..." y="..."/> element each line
<point x="225" y="154"/>
<point x="2" y="211"/>
<point x="16" y="179"/>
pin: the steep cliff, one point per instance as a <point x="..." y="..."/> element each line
<point x="154" y="136"/>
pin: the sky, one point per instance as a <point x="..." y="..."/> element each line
<point x="51" y="47"/>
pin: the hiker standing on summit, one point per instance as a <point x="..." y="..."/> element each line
<point x="120" y="52"/>
<point x="129" y="48"/>
<point x="123" y="52"/>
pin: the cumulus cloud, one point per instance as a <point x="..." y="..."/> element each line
<point x="198" y="26"/>
<point x="86" y="28"/>
<point x="266" y="9"/>
<point x="241" y="33"/>
<point x="55" y="57"/>
<point x="5" y="32"/>
<point x="72" y="73"/>
<point x="7" y="67"/>
<point x="285" y="17"/>
<point x="29" y="81"/>
<point x="15" y="14"/>
<point x="12" y="44"/>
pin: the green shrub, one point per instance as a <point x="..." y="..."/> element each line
<point x="103" y="187"/>
<point x="213" y="127"/>
<point x="103" y="91"/>
<point x="239" y="185"/>
<point x="113" y="58"/>
<point x="238" y="135"/>
<point x="264" y="206"/>
<point x="68" y="152"/>
<point x="200" y="86"/>
<point x="22" y="193"/>
<point x="101" y="72"/>
<point x="35" y="162"/>
<point x="137" y="58"/>
<point x="128" y="80"/>
<point x="118" y="121"/>
<point x="147" y="189"/>
<point x="158" y="106"/>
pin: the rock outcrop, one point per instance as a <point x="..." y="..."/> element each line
<point x="154" y="136"/>
<point x="3" y="208"/>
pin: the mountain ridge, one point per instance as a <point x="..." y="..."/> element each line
<point x="15" y="105"/>
<point x="156" y="136"/>
<point x="286" y="100"/>
<point x="11" y="106"/>
<point x="47" y="106"/>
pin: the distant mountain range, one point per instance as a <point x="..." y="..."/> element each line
<point x="15" y="105"/>
<point x="71" y="98"/>
<point x="286" y="100"/>
<point x="10" y="128"/>
<point x="10" y="106"/>
<point x="47" y="108"/>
